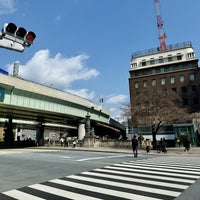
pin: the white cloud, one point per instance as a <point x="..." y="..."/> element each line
<point x="61" y="72"/>
<point x="58" y="71"/>
<point x="7" y="7"/>
<point x="116" y="99"/>
<point x="83" y="93"/>
<point x="114" y="103"/>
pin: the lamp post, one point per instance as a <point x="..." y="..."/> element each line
<point x="87" y="124"/>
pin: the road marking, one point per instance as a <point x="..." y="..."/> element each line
<point x="145" y="175"/>
<point x="152" y="172"/>
<point x="129" y="180"/>
<point x="61" y="193"/>
<point x="21" y="195"/>
<point x="122" y="185"/>
<point x="139" y="180"/>
<point x="103" y="157"/>
<point x="103" y="190"/>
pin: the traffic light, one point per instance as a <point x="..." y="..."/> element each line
<point x="21" y="32"/>
<point x="29" y="37"/>
<point x="9" y="28"/>
<point x="17" y="38"/>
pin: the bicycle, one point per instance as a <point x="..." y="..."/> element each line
<point x="161" y="149"/>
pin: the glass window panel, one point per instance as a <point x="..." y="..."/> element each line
<point x="182" y="78"/>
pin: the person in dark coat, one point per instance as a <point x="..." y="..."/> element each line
<point x="135" y="146"/>
<point x="186" y="144"/>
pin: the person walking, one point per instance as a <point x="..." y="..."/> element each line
<point x="66" y="142"/>
<point x="186" y="144"/>
<point x="135" y="146"/>
<point x="147" y="143"/>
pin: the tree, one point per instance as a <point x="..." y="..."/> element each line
<point x="156" y="107"/>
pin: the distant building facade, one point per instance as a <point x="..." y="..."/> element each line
<point x="174" y="69"/>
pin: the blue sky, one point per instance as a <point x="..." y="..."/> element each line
<point x="84" y="46"/>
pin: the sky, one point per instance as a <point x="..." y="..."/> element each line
<point x="84" y="46"/>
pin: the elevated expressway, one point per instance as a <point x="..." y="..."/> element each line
<point x="32" y="105"/>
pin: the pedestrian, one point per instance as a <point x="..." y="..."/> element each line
<point x="186" y="144"/>
<point x="61" y="141"/>
<point x="66" y="142"/>
<point x="135" y="146"/>
<point x="74" y="143"/>
<point x="147" y="143"/>
<point x="49" y="142"/>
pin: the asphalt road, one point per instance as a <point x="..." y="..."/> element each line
<point x="22" y="167"/>
<point x="42" y="169"/>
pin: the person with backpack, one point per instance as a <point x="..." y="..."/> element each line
<point x="135" y="146"/>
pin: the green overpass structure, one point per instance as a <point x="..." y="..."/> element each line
<point x="32" y="105"/>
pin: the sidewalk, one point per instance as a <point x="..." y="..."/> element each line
<point x="194" y="151"/>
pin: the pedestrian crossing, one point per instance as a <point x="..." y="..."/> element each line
<point x="164" y="177"/>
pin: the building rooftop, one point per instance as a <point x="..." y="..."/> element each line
<point x="157" y="50"/>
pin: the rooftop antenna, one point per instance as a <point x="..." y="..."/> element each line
<point x="162" y="35"/>
<point x="16" y="70"/>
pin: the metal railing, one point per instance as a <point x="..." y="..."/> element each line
<point x="157" y="49"/>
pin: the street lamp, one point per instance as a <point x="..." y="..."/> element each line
<point x="15" y="38"/>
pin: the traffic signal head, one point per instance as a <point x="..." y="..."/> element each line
<point x="19" y="35"/>
<point x="9" y="28"/>
<point x="29" y="37"/>
<point x="21" y="32"/>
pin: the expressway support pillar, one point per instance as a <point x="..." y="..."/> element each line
<point x="81" y="130"/>
<point x="40" y="135"/>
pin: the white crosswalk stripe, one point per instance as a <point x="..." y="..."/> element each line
<point x="148" y="179"/>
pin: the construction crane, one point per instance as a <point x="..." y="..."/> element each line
<point x="162" y="36"/>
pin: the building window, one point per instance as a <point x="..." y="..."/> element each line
<point x="163" y="81"/>
<point x="174" y="90"/>
<point x="185" y="102"/>
<point x="136" y="85"/>
<point x="179" y="57"/>
<point x="161" y="60"/>
<point x="172" y="80"/>
<point x="164" y="93"/>
<point x="196" y="101"/>
<point x="144" y="63"/>
<point x="144" y="72"/>
<point x="162" y="70"/>
<point x="170" y="59"/>
<point x="171" y="68"/>
<point x="184" y="90"/>
<point x="190" y="65"/>
<point x="134" y="65"/>
<point x="194" y="88"/>
<point x="136" y="73"/>
<point x="182" y="78"/>
<point x="180" y="67"/>
<point x="137" y="93"/>
<point x="154" y="82"/>
<point x="153" y="71"/>
<point x="192" y="78"/>
<point x="190" y="55"/>
<point x="144" y="83"/>
<point x="152" y="62"/>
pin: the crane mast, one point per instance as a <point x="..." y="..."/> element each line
<point x="162" y="36"/>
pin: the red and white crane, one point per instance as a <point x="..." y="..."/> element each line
<point x="162" y="36"/>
